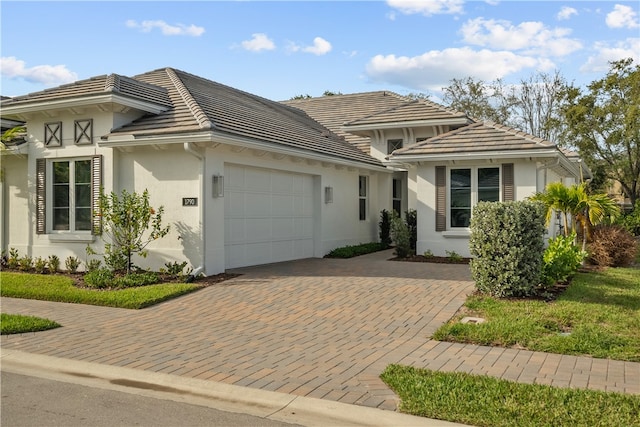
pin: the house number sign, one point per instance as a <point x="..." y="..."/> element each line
<point x="189" y="201"/>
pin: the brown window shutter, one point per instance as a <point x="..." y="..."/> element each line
<point x="508" y="191"/>
<point x="96" y="188"/>
<point x="41" y="196"/>
<point x="441" y="198"/>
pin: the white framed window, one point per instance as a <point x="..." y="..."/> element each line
<point x="467" y="187"/>
<point x="67" y="192"/>
<point x="396" y="196"/>
<point x="363" y="192"/>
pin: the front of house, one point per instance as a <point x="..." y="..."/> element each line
<point x="245" y="180"/>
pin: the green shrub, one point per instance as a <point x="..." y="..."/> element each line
<point x="13" y="261"/>
<point x="93" y="264"/>
<point x="175" y="269"/>
<point x="25" y="263"/>
<point x="385" y="228"/>
<point x="561" y="260"/>
<point x="454" y="256"/>
<point x="54" y="263"/>
<point x="133" y="280"/>
<point x="401" y="237"/>
<point x="507" y="245"/>
<point x="40" y="265"/>
<point x="631" y="220"/>
<point x="72" y="263"/>
<point x="612" y="246"/>
<point x="411" y="219"/>
<point x="351" y="251"/>
<point x="100" y="278"/>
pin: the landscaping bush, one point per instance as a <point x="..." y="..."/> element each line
<point x="40" y="265"/>
<point x="401" y="236"/>
<point x="100" y="278"/>
<point x="13" y="261"/>
<point x="351" y="251"/>
<point x="104" y="278"/>
<point x="631" y="220"/>
<point x="72" y="263"/>
<point x="411" y="219"/>
<point x="507" y="245"/>
<point x="561" y="260"/>
<point x="54" y="263"/>
<point x="385" y="228"/>
<point x="612" y="246"/>
<point x="25" y="263"/>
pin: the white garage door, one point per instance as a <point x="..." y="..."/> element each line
<point x="268" y="216"/>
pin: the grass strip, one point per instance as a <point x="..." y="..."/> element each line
<point x="486" y="401"/>
<point x="598" y="316"/>
<point x="19" y="324"/>
<point x="62" y="289"/>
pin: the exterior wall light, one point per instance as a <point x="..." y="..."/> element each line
<point x="218" y="186"/>
<point x="328" y="194"/>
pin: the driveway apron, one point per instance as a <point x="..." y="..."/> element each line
<point x="322" y="328"/>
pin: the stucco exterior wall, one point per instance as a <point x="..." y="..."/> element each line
<point x="457" y="239"/>
<point x="14" y="203"/>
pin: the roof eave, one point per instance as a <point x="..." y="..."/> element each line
<point x="9" y="111"/>
<point x="474" y="155"/>
<point x="129" y="140"/>
<point x="405" y="124"/>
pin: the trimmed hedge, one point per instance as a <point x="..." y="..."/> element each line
<point x="507" y="245"/>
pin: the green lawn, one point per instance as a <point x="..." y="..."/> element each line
<point x="598" y="315"/>
<point x="61" y="289"/>
<point x="486" y="401"/>
<point x="18" y="324"/>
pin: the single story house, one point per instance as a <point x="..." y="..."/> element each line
<point x="245" y="180"/>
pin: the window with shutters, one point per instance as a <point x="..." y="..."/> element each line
<point x="67" y="192"/>
<point x="469" y="186"/>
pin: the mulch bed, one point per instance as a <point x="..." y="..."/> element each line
<point x="432" y="259"/>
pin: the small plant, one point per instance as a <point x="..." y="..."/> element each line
<point x="99" y="278"/>
<point x="428" y="254"/>
<point x="561" y="260"/>
<point x="3" y="259"/>
<point x="72" y="263"/>
<point x="136" y="279"/>
<point x="175" y="269"/>
<point x="13" y="261"/>
<point x="40" y="265"/>
<point x="401" y="237"/>
<point x="454" y="256"/>
<point x="25" y="263"/>
<point x="93" y="264"/>
<point x="385" y="228"/>
<point x="54" y="263"/>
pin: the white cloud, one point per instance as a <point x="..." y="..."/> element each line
<point x="565" y="13"/>
<point x="166" y="29"/>
<point x="530" y="37"/>
<point x="13" y="68"/>
<point x="435" y="69"/>
<point x="427" y="7"/>
<point x="622" y="17"/>
<point x="605" y="53"/>
<point x="320" y="47"/>
<point x="259" y="42"/>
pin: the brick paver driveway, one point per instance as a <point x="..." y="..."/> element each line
<point x="323" y="328"/>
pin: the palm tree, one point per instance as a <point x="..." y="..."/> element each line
<point x="575" y="202"/>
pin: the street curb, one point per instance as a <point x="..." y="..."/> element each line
<point x="226" y="397"/>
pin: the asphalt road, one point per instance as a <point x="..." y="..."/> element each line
<point x="32" y="401"/>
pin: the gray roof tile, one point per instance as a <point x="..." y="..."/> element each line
<point x="476" y="138"/>
<point x="416" y="110"/>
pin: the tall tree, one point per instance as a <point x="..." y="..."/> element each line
<point x="604" y="124"/>
<point x="533" y="105"/>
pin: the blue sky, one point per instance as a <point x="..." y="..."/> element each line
<point x="286" y="48"/>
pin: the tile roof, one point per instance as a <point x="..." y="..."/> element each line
<point x="336" y="110"/>
<point x="197" y="104"/>
<point x="476" y="138"/>
<point x="416" y="110"/>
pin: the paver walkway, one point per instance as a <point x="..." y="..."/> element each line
<point x="322" y="328"/>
